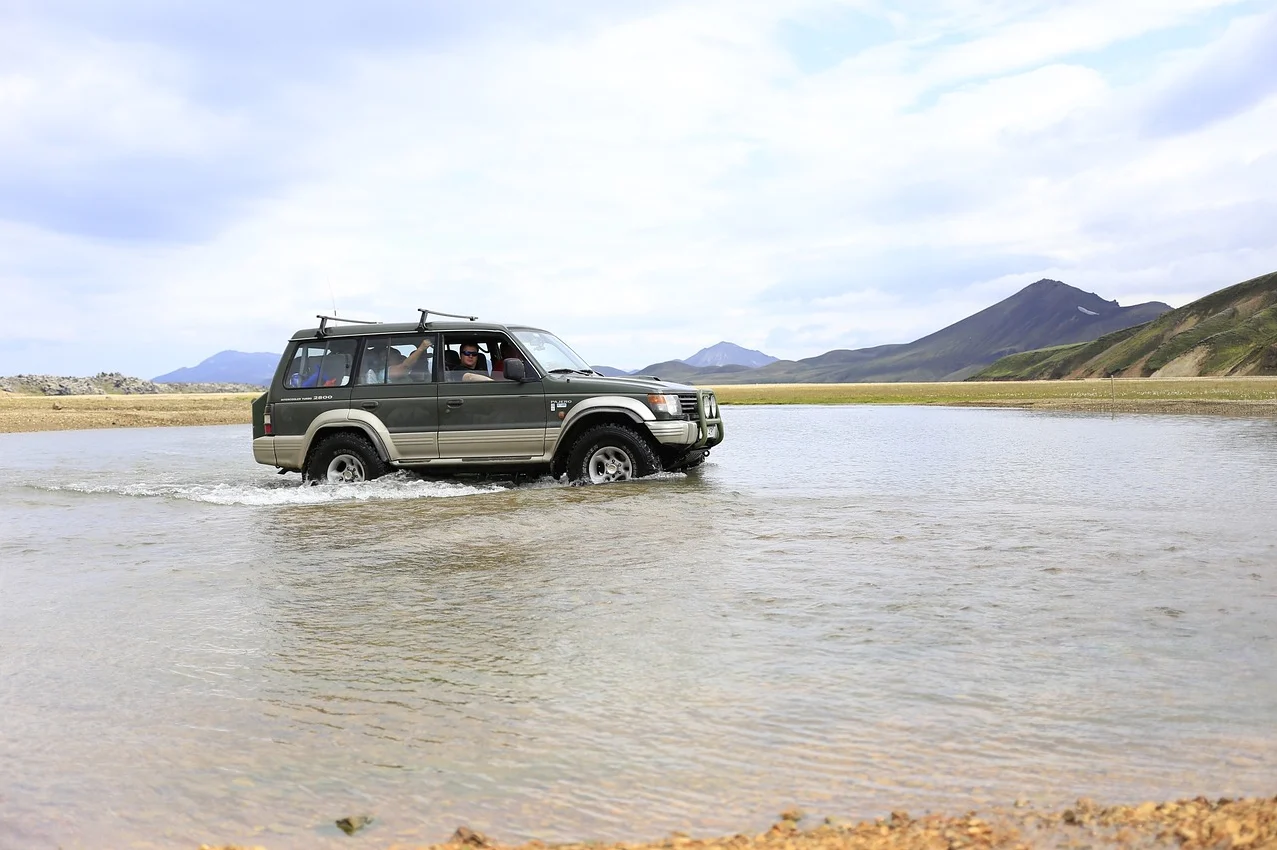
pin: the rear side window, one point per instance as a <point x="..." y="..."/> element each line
<point x="321" y="363"/>
<point x="402" y="359"/>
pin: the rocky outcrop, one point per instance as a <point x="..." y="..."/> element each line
<point x="104" y="383"/>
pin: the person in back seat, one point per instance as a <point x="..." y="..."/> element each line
<point x="403" y="370"/>
<point x="504" y="353"/>
<point x="333" y="371"/>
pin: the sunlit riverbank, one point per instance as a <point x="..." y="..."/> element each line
<point x="1250" y="396"/>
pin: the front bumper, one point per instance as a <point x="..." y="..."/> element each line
<point x="690" y="434"/>
<point x="675" y="432"/>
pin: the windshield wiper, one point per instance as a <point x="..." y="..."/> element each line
<point x="573" y="372"/>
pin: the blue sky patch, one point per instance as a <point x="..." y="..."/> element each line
<point x="826" y="37"/>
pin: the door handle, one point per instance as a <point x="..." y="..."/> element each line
<point x="369" y="405"/>
<point x="455" y="402"/>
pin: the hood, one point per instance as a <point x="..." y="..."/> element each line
<point x="627" y="384"/>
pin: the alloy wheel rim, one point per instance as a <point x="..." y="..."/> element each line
<point x="610" y="464"/>
<point x="345" y="468"/>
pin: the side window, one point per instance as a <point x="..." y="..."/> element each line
<point x="304" y="370"/>
<point x="403" y="359"/>
<point x="321" y="363"/>
<point x="502" y="350"/>
<point x="465" y="358"/>
<point x="479" y="358"/>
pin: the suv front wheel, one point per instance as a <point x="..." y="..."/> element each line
<point x="344" y="458"/>
<point x="608" y="453"/>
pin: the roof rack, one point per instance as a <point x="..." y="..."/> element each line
<point x="324" y="320"/>
<point x="421" y="325"/>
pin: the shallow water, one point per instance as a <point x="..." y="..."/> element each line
<point x="848" y="609"/>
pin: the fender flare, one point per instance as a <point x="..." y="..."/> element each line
<point x="335" y="420"/>
<point x="632" y="409"/>
<point x="377" y="432"/>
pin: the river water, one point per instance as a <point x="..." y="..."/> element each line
<point x="848" y="609"/>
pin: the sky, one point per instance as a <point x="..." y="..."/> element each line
<point x="644" y="178"/>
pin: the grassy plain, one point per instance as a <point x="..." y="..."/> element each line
<point x="1249" y="396"/>
<point x="1226" y="396"/>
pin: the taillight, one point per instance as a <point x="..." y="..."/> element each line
<point x="269" y="429"/>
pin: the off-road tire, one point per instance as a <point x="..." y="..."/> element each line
<point x="342" y="458"/>
<point x="607" y="453"/>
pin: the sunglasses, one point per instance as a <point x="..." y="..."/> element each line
<point x="469" y="354"/>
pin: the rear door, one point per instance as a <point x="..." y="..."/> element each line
<point x="482" y="416"/>
<point x="317" y="380"/>
<point x="396" y="383"/>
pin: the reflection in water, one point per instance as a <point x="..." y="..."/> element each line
<point x="847" y="609"/>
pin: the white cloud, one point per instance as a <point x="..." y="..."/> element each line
<point x="644" y="185"/>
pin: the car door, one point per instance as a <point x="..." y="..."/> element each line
<point x="317" y="381"/>
<point x="487" y="418"/>
<point x="395" y="383"/>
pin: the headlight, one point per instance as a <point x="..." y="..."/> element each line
<point x="711" y="406"/>
<point x="667" y="403"/>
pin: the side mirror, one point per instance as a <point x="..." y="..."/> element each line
<point x="514" y="370"/>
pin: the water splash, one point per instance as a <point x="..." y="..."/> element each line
<point x="278" y="492"/>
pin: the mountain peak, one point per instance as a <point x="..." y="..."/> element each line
<point x="226" y="366"/>
<point x="1218" y="334"/>
<point x="729" y="354"/>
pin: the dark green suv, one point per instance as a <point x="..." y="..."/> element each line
<point x="352" y="401"/>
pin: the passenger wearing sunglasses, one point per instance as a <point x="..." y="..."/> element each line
<point x="473" y="366"/>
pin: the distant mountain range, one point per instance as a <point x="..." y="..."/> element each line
<point x="719" y="354"/>
<point x="1230" y="332"/>
<point x="611" y="371"/>
<point x="1044" y="313"/>
<point x="226" y="367"/>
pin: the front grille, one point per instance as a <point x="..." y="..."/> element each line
<point x="690" y="404"/>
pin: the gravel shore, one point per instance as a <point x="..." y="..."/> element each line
<point x="64" y="413"/>
<point x="1195" y="824"/>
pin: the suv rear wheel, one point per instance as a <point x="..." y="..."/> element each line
<point x="344" y="458"/>
<point x="608" y="453"/>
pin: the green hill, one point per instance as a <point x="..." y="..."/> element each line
<point x="1229" y="332"/>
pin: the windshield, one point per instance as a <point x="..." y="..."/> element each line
<point x="550" y="351"/>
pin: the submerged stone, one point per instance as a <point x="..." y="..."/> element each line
<point x="354" y="823"/>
